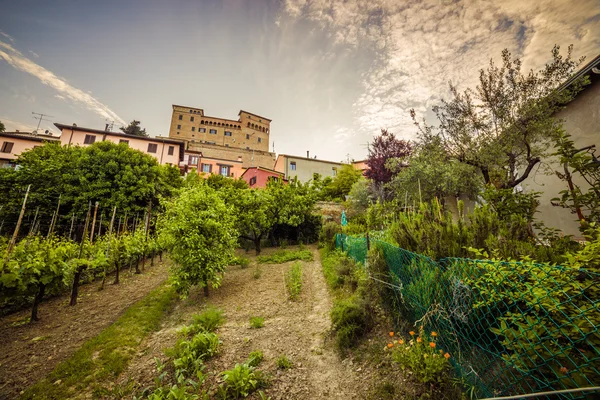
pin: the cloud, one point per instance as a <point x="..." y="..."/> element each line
<point x="16" y="59"/>
<point x="60" y="97"/>
<point x="34" y="54"/>
<point x="6" y="35"/>
<point x="12" y="125"/>
<point x="420" y="46"/>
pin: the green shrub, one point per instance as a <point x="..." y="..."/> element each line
<point x="327" y="236"/>
<point x="283" y="362"/>
<point x="293" y="280"/>
<point x="241" y="381"/>
<point x="209" y="320"/>
<point x="243" y="262"/>
<point x="351" y="319"/>
<point x="190" y="354"/>
<point x="255" y="358"/>
<point x="282" y="256"/>
<point x="257" y="322"/>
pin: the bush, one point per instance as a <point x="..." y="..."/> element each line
<point x="283" y="362"/>
<point x="209" y="320"/>
<point x="327" y="236"/>
<point x="293" y="280"/>
<point x="351" y="319"/>
<point x="241" y="381"/>
<point x="243" y="262"/>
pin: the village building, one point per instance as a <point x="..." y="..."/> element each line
<point x="258" y="177"/>
<point x="304" y="168"/>
<point x="12" y="144"/>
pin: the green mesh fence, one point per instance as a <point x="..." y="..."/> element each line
<point x="511" y="327"/>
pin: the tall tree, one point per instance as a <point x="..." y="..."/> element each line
<point x="134" y="129"/>
<point x="385" y="147"/>
<point x="346" y="176"/>
<point x="505" y="126"/>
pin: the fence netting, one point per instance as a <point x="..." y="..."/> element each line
<point x="511" y="327"/>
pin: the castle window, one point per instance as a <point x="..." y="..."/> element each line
<point x="247" y="136"/>
<point x="227" y="133"/>
<point x="259" y="140"/>
<point x="213" y="131"/>
<point x="202" y="130"/>
<point x="192" y="119"/>
<point x="180" y="117"/>
<point x="193" y="129"/>
<point x="178" y="126"/>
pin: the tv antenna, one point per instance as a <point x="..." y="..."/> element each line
<point x="109" y="125"/>
<point x="40" y="118"/>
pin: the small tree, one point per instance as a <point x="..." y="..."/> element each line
<point x="385" y="147"/>
<point x="254" y="219"/>
<point x="2" y="128"/>
<point x="134" y="129"/>
<point x="343" y="181"/>
<point x="199" y="229"/>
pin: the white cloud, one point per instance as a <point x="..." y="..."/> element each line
<point x="16" y="59"/>
<point x="6" y="35"/>
<point x="422" y="45"/>
<point x="34" y="54"/>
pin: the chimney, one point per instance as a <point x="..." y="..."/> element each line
<point x="240" y="158"/>
<point x="106" y="128"/>
<point x="16" y="130"/>
<point x="307" y="154"/>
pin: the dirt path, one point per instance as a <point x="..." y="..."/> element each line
<point x="30" y="351"/>
<point x="297" y="329"/>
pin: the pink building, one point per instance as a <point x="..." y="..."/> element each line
<point x="206" y="166"/>
<point x="12" y="144"/>
<point x="165" y="150"/>
<point x="257" y="177"/>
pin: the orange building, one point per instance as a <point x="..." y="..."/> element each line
<point x="205" y="166"/>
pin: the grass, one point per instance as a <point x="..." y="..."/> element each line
<point x="283" y="362"/>
<point x="282" y="256"/>
<point x="293" y="280"/>
<point x="105" y="356"/>
<point x="257" y="322"/>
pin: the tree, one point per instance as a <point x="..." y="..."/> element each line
<point x="340" y="186"/>
<point x="505" y="126"/>
<point x="2" y="128"/>
<point x="383" y="148"/>
<point x="134" y="129"/>
<point x="430" y="173"/>
<point x="199" y="230"/>
<point x="254" y="219"/>
<point x="359" y="197"/>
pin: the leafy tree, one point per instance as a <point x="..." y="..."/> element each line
<point x="2" y="128"/>
<point x="217" y="181"/>
<point x="359" y="197"/>
<point x="340" y="186"/>
<point x="254" y="216"/>
<point x="134" y="129"/>
<point x="505" y="126"/>
<point x="199" y="230"/>
<point x="319" y="185"/>
<point x="430" y="173"/>
<point x="385" y="147"/>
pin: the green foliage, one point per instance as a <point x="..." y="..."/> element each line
<point x="283" y="362"/>
<point x="243" y="262"/>
<point x="351" y="319"/>
<point x="134" y="129"/>
<point x="255" y="358"/>
<point x="198" y="229"/>
<point x="327" y="236"/>
<point x="283" y="256"/>
<point x="342" y="183"/>
<point x="293" y="280"/>
<point x="359" y="198"/>
<point x="241" y="381"/>
<point x="208" y="320"/>
<point x="2" y="128"/>
<point x="257" y="322"/>
<point x="190" y="354"/>
<point x="421" y="355"/>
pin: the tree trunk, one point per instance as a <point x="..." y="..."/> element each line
<point x="117" y="268"/>
<point x="152" y="260"/>
<point x="160" y="256"/>
<point x="143" y="263"/>
<point x="137" y="266"/>
<point x="36" y="302"/>
<point x="205" y="288"/>
<point x="75" y="288"/>
<point x="257" y="245"/>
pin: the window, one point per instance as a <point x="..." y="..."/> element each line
<point x="152" y="147"/>
<point x="193" y="160"/>
<point x="7" y="147"/>
<point x="171" y="150"/>
<point x="124" y="141"/>
<point x="178" y="126"/>
<point x="193" y="129"/>
<point x="213" y="131"/>
<point x="180" y="117"/>
<point x="227" y="133"/>
<point x="253" y="181"/>
<point x="333" y="171"/>
<point x="224" y="170"/>
<point x="259" y="140"/>
<point x="293" y="166"/>
<point x="178" y="133"/>
<point x="192" y="119"/>
<point x="247" y="136"/>
<point x="202" y="130"/>
<point x="207" y="168"/>
<point x="89" y="139"/>
<point x="226" y="145"/>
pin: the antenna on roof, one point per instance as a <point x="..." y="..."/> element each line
<point x="109" y="125"/>
<point x="273" y="146"/>
<point x="40" y="118"/>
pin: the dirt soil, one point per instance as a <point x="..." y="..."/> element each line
<point x="298" y="329"/>
<point x="30" y="351"/>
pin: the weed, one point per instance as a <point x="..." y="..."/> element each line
<point x="283" y="362"/>
<point x="243" y="262"/>
<point x="257" y="322"/>
<point x="257" y="273"/>
<point x="293" y="280"/>
<point x="255" y="358"/>
<point x="240" y="381"/>
<point x="282" y="256"/>
<point x="210" y="319"/>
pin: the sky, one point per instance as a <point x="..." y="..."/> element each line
<point x="329" y="73"/>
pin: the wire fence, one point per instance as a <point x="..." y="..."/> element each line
<point x="511" y="327"/>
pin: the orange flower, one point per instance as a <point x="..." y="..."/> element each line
<point x="419" y="340"/>
<point x="412" y="333"/>
<point x="391" y="333"/>
<point x="564" y="370"/>
<point x="447" y="356"/>
<point x="434" y="334"/>
<point x="401" y="341"/>
<point x="390" y="345"/>
<point x="431" y="344"/>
